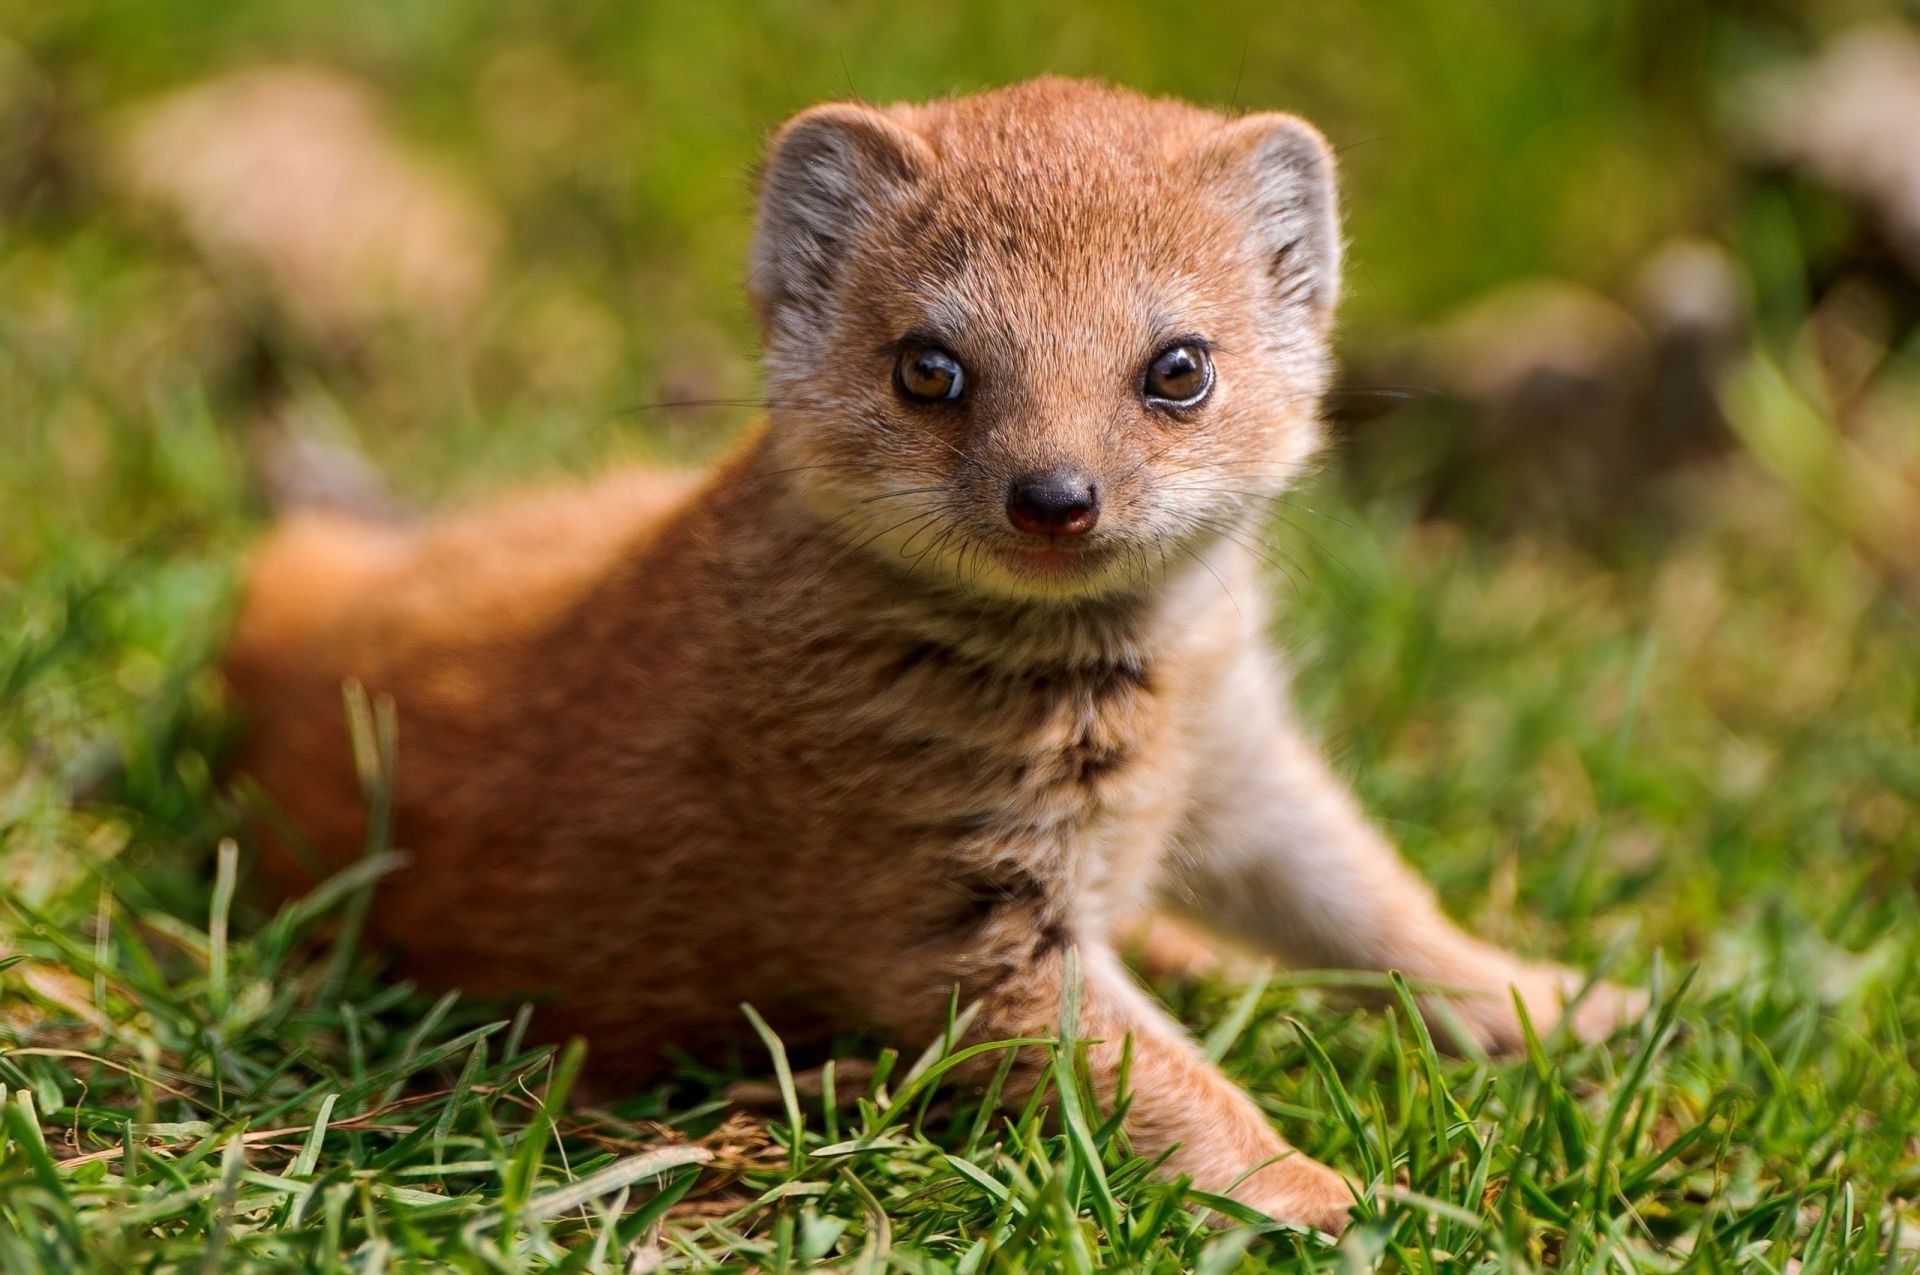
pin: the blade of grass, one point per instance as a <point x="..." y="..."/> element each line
<point x="789" y="1096"/>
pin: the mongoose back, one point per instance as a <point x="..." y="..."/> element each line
<point x="955" y="665"/>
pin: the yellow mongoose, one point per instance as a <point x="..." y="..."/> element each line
<point x="937" y="675"/>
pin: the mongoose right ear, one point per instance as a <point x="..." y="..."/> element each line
<point x="1279" y="170"/>
<point x="832" y="173"/>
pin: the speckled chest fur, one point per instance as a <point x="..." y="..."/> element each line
<point x="1009" y="750"/>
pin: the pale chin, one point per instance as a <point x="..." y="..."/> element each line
<point x="1039" y="575"/>
<point x="985" y="568"/>
<point x="983" y="565"/>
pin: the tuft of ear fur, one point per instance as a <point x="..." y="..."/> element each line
<point x="1279" y="170"/>
<point x="832" y="173"/>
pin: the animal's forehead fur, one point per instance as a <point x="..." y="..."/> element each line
<point x="1075" y="185"/>
<point x="1057" y="148"/>
<point x="1056" y="123"/>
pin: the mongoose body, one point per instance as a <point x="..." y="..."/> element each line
<point x="956" y="664"/>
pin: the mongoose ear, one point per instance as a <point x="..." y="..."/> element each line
<point x="1279" y="170"/>
<point x="832" y="173"/>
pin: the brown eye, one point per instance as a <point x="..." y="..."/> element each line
<point x="929" y="373"/>
<point x="1179" y="376"/>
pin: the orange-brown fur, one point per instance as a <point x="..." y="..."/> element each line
<point x="811" y="732"/>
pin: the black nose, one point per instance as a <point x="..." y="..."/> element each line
<point x="1056" y="502"/>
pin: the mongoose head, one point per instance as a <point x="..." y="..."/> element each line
<point x="1044" y="341"/>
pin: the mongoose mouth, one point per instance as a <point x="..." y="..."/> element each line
<point x="1051" y="562"/>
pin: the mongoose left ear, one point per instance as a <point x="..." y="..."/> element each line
<point x="1279" y="170"/>
<point x="832" y="173"/>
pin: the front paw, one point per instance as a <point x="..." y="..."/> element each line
<point x="1552" y="994"/>
<point x="1301" y="1190"/>
<point x="1606" y="1009"/>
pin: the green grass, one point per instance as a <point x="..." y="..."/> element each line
<point x="1689" y="754"/>
<point x="1701" y="773"/>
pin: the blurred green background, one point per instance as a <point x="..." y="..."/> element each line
<point x="613" y="147"/>
<point x="1606" y="598"/>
